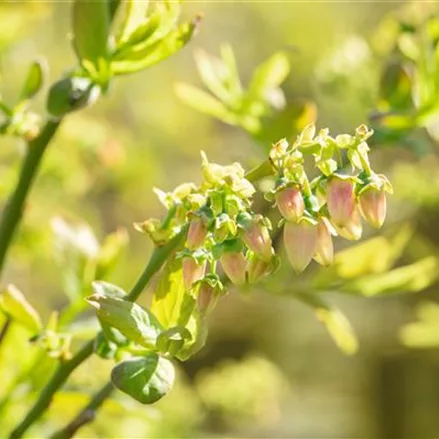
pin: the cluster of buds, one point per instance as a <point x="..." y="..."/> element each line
<point x="223" y="230"/>
<point x="223" y="233"/>
<point x="331" y="204"/>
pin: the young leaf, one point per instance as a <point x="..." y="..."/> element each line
<point x="107" y="289"/>
<point x="134" y="16"/>
<point x="91" y="22"/>
<point x="134" y="58"/>
<point x="407" y="279"/>
<point x="133" y="321"/>
<point x="335" y="322"/>
<point x="268" y="75"/>
<point x="14" y="304"/>
<point x="34" y="80"/>
<point x="205" y="103"/>
<point x="214" y="74"/>
<point x="146" y="379"/>
<point x="169" y="295"/>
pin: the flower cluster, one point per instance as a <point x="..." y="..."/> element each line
<point x="333" y="202"/>
<point x="223" y="230"/>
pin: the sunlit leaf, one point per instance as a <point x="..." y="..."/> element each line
<point x="169" y="295"/>
<point x="424" y="333"/>
<point x="134" y="15"/>
<point x="205" y="103"/>
<point x="270" y="74"/>
<point x="137" y="58"/>
<point x="14" y="304"/>
<point x="407" y="279"/>
<point x="396" y="87"/>
<point x="34" y="80"/>
<point x="335" y="321"/>
<point x="146" y="379"/>
<point x="134" y="322"/>
<point x="91" y="21"/>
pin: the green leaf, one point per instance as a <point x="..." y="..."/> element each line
<point x="172" y="340"/>
<point x="336" y="323"/>
<point x="105" y="348"/>
<point x="133" y="321"/>
<point x="34" y="80"/>
<point x="152" y="28"/>
<point x="91" y="22"/>
<point x="396" y="87"/>
<point x="14" y="304"/>
<point x="146" y="379"/>
<point x="205" y="103"/>
<point x="134" y="15"/>
<point x="269" y="75"/>
<point x="407" y="279"/>
<point x="137" y="58"/>
<point x="423" y="333"/>
<point x="170" y="296"/>
<point x="215" y="76"/>
<point x="107" y="289"/>
<point x="113" y="6"/>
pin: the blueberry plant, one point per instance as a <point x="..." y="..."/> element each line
<point x="213" y="234"/>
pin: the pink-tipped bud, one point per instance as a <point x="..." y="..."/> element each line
<point x="373" y="205"/>
<point x="192" y="272"/>
<point x="290" y="203"/>
<point x="324" y="254"/>
<point x="207" y="298"/>
<point x="257" y="239"/>
<point x="353" y="228"/>
<point x="234" y="265"/>
<point x="257" y="269"/>
<point x="196" y="234"/>
<point x="300" y="244"/>
<point x="340" y="199"/>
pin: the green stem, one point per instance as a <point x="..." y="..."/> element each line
<point x="14" y="208"/>
<point x="158" y="258"/>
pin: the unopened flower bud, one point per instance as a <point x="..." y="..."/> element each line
<point x="340" y="199"/>
<point x="207" y="298"/>
<point x="192" y="271"/>
<point x="257" y="238"/>
<point x="373" y="206"/>
<point x="300" y="244"/>
<point x="257" y="269"/>
<point x="353" y="229"/>
<point x="324" y="253"/>
<point x="234" y="265"/>
<point x="290" y="203"/>
<point x="197" y="233"/>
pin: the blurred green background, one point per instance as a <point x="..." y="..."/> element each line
<point x="269" y="368"/>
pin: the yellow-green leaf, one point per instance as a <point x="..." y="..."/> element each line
<point x="14" y="304"/>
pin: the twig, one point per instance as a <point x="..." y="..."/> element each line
<point x="87" y="415"/>
<point x="158" y="258"/>
<point x="14" y="208"/>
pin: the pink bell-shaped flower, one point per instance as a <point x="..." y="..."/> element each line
<point x="192" y="271"/>
<point x="257" y="239"/>
<point x="373" y="206"/>
<point x="340" y="199"/>
<point x="324" y="253"/>
<point x="234" y="265"/>
<point x="290" y="203"/>
<point x="196" y="234"/>
<point x="300" y="241"/>
<point x="353" y="229"/>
